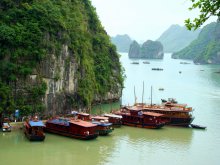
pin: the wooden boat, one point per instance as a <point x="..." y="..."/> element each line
<point x="135" y="117"/>
<point x="197" y="126"/>
<point x="74" y="128"/>
<point x="6" y="127"/>
<point x="174" y="114"/>
<point x="103" y="125"/>
<point x="114" y="119"/>
<point x="33" y="129"/>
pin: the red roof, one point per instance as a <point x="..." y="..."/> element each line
<point x="82" y="123"/>
<point x="153" y="114"/>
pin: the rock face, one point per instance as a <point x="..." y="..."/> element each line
<point x="134" y="51"/>
<point x="149" y="50"/>
<point x="122" y="42"/>
<point x="55" y="57"/>
<point x="152" y="50"/>
<point x="176" y="38"/>
<point x="206" y="48"/>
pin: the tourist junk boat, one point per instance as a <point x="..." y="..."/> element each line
<point x="75" y="128"/>
<point x="174" y="114"/>
<point x="114" y="119"/>
<point x="103" y="126"/>
<point x="134" y="116"/>
<point x="33" y="129"/>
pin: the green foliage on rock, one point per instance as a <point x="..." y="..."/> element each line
<point x="149" y="49"/>
<point x="206" y="48"/>
<point x="31" y="31"/>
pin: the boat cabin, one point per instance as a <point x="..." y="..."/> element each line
<point x="33" y="130"/>
<point x="75" y="128"/>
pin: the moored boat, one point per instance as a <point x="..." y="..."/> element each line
<point x="114" y="119"/>
<point x="103" y="125"/>
<point x="197" y="126"/>
<point x="6" y="127"/>
<point x="74" y="128"/>
<point x="33" y="130"/>
<point x="134" y="116"/>
<point x="174" y="114"/>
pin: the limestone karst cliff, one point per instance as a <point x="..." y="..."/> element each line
<point x="55" y="56"/>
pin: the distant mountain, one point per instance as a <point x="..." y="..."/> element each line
<point x="149" y="49"/>
<point x="206" y="48"/>
<point x="176" y="38"/>
<point x="122" y="42"/>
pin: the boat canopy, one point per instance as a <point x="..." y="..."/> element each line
<point x="113" y="115"/>
<point x="153" y="114"/>
<point x="36" y="124"/>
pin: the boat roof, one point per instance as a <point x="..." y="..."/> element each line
<point x="168" y="109"/>
<point x="84" y="114"/>
<point x="99" y="117"/>
<point x="36" y="123"/>
<point x="82" y="123"/>
<point x="135" y="108"/>
<point x="101" y="124"/>
<point x="153" y="114"/>
<point x="60" y="121"/>
<point x="113" y="115"/>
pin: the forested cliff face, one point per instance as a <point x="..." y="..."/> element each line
<point x="206" y="48"/>
<point x="55" y="56"/>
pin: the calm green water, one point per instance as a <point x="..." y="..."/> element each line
<point x="128" y="145"/>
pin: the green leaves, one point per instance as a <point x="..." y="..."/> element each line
<point x="207" y="9"/>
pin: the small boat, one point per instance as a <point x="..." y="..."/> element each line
<point x="114" y="119"/>
<point x="103" y="125"/>
<point x="146" y="62"/>
<point x="161" y="89"/>
<point x="135" y="62"/>
<point x="197" y="126"/>
<point x="158" y="69"/>
<point x="33" y="130"/>
<point x="6" y="127"/>
<point x="184" y="63"/>
<point x="74" y="128"/>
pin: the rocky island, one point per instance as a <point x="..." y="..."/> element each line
<point x="149" y="50"/>
<point x="205" y="49"/>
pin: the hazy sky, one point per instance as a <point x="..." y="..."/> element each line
<point x="142" y="19"/>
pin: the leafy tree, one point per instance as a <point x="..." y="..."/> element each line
<point x="207" y="9"/>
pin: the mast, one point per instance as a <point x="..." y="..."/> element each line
<point x="151" y="96"/>
<point x="135" y="98"/>
<point x="143" y="94"/>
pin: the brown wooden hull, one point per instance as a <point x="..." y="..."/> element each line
<point x="77" y="136"/>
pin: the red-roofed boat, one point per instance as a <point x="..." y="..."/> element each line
<point x="33" y="129"/>
<point x="174" y="113"/>
<point x="74" y="128"/>
<point x="103" y="125"/>
<point x="137" y="118"/>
